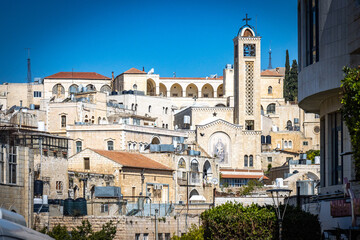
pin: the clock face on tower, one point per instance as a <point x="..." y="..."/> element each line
<point x="249" y="50"/>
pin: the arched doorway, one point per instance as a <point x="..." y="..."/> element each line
<point x="163" y="90"/>
<point x="207" y="91"/>
<point x="150" y="87"/>
<point x="220" y="91"/>
<point x="176" y="90"/>
<point x="105" y="89"/>
<point x="191" y="90"/>
<point x="58" y="90"/>
<point x="90" y="87"/>
<point x="207" y="171"/>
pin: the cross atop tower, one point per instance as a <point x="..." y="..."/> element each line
<point x="246" y="19"/>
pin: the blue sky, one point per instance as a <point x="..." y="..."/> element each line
<point x="191" y="38"/>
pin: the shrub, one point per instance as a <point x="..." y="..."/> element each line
<point x="233" y="221"/>
<point x="194" y="233"/>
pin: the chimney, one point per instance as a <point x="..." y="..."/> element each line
<point x="112" y="75"/>
<point x="143" y="69"/>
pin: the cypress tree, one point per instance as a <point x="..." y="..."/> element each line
<point x="286" y="79"/>
<point x="293" y="82"/>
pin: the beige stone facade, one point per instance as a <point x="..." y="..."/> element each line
<point x="134" y="180"/>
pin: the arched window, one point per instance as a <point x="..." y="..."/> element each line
<point x="262" y="110"/>
<point x="149" y="110"/>
<point x="285" y="144"/>
<point x="90" y="87"/>
<point x="194" y="172"/>
<point x="105" y="89"/>
<point x="270" y="108"/>
<point x="290" y="144"/>
<point x="73" y="89"/>
<point x="246" y="161"/>
<point x="63" y="121"/>
<point x="270" y="90"/>
<point x="132" y="107"/>
<point x="78" y="146"/>
<point x="99" y="120"/>
<point x="194" y="192"/>
<point x="182" y="164"/>
<point x="207" y="171"/>
<point x="155" y="140"/>
<point x="136" y="107"/>
<point x="58" y="90"/>
<point x="110" y="145"/>
<point x="166" y="110"/>
<point x="289" y="125"/>
<point x="251" y="161"/>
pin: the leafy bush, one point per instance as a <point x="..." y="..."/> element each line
<point x="194" y="233"/>
<point x="82" y="232"/>
<point x="300" y="225"/>
<point x="233" y="221"/>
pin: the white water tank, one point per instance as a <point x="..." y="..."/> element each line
<point x="317" y="160"/>
<point x="279" y="182"/>
<point x="41" y="126"/>
<point x="274" y="128"/>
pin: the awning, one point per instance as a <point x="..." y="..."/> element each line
<point x="198" y="198"/>
<point x="244" y="176"/>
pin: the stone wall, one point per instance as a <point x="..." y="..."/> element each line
<point x="126" y="227"/>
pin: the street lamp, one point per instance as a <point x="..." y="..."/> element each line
<point x="275" y="194"/>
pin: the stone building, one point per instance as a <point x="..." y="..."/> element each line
<point x="136" y="175"/>
<point x="26" y="155"/>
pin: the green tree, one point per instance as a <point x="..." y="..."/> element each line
<point x="234" y="221"/>
<point x="193" y="233"/>
<point x="290" y="80"/>
<point x="311" y="154"/>
<point x="351" y="111"/>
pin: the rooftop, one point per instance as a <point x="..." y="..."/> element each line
<point x="77" y="75"/>
<point x="135" y="160"/>
<point x="134" y="71"/>
<point x="269" y="73"/>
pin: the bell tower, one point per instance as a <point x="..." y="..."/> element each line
<point x="247" y="71"/>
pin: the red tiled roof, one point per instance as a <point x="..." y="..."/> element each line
<point x="268" y="73"/>
<point x="243" y="176"/>
<point x="190" y="78"/>
<point x="134" y="70"/>
<point x="78" y="75"/>
<point x="131" y="159"/>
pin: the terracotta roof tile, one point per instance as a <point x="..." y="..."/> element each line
<point x="134" y="70"/>
<point x="77" y="75"/>
<point x="243" y="176"/>
<point x="132" y="159"/>
<point x="190" y="78"/>
<point x="268" y="73"/>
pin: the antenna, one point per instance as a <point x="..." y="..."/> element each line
<point x="29" y="86"/>
<point x="270" y="66"/>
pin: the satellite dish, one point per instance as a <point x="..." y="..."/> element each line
<point x="215" y="181"/>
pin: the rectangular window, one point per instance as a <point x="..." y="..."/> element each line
<point x="63" y="121"/>
<point x="136" y="121"/>
<point x="249" y="50"/>
<point x="104" y="208"/>
<point x="78" y="146"/>
<point x="167" y="236"/>
<point x="249" y="124"/>
<point x="137" y="236"/>
<point x="146" y="236"/>
<point x="206" y="95"/>
<point x="2" y="162"/>
<point x="87" y="163"/>
<point x="160" y="236"/>
<point x="312" y="32"/>
<point x="174" y="94"/>
<point x="334" y="149"/>
<point x="110" y="145"/>
<point x="37" y="94"/>
<point x="269" y="159"/>
<point x="12" y="165"/>
<point x="125" y="120"/>
<point x="305" y="143"/>
<point x="59" y="185"/>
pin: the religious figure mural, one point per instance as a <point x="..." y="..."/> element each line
<point x="219" y="146"/>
